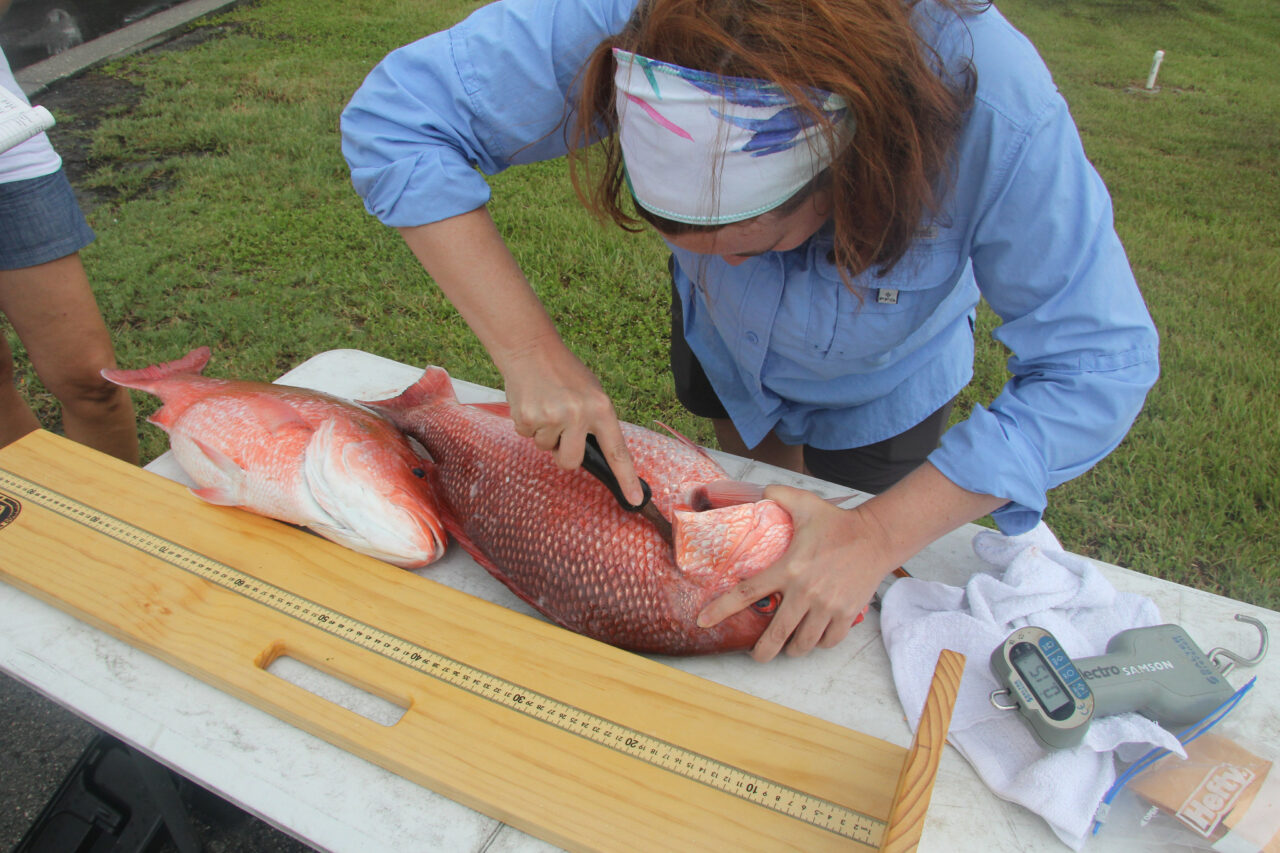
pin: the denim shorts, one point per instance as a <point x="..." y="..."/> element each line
<point x="871" y="469"/>
<point x="40" y="221"/>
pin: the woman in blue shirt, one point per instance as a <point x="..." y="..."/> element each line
<point x="839" y="182"/>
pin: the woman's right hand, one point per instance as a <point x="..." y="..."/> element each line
<point x="554" y="398"/>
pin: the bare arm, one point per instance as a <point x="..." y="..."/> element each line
<point x="838" y="557"/>
<point x="554" y="398"/>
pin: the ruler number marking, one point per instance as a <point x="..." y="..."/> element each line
<point x="731" y="780"/>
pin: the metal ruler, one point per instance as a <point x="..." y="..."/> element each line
<point x="832" y="817"/>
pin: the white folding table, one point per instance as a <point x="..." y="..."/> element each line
<point x="334" y="801"/>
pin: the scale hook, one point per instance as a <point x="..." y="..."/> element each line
<point x="1004" y="691"/>
<point x="1233" y="659"/>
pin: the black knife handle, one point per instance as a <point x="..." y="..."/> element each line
<point x="594" y="462"/>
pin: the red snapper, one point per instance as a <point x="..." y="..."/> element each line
<point x="559" y="540"/>
<point x="299" y="456"/>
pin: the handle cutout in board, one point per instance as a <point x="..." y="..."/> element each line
<point x="328" y="683"/>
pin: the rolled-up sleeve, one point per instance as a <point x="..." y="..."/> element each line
<point x="436" y="116"/>
<point x="1084" y="349"/>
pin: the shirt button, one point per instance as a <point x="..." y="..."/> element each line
<point x="753" y="338"/>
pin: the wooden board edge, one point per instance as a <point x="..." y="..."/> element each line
<point x="915" y="784"/>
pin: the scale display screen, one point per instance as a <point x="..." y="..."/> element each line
<point x="1040" y="677"/>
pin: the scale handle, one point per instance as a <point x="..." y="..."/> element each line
<point x="1159" y="672"/>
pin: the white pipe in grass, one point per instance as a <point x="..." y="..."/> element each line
<point x="1155" y="69"/>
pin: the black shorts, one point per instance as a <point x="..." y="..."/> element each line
<point x="871" y="468"/>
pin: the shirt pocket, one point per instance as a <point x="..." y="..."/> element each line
<point x="863" y="329"/>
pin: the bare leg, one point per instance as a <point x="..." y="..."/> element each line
<point x="771" y="450"/>
<point x="53" y="310"/>
<point x="16" y="417"/>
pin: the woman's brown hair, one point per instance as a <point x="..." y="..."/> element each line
<point x="890" y="177"/>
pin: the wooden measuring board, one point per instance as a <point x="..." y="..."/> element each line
<point x="574" y="741"/>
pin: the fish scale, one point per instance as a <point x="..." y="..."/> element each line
<point x="559" y="540"/>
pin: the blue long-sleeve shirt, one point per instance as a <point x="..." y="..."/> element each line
<point x="1027" y="224"/>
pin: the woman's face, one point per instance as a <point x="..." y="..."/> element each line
<point x="768" y="232"/>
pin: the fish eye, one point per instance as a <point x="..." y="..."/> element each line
<point x="767" y="605"/>
<point x="419" y="473"/>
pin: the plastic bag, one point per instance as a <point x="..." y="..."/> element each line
<point x="1224" y="796"/>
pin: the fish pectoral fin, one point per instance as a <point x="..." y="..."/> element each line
<point x="418" y="448"/>
<point x="470" y="547"/>
<point x="723" y="493"/>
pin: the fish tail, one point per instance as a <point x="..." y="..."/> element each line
<point x="434" y="386"/>
<point x="192" y="362"/>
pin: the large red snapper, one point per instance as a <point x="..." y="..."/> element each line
<point x="559" y="540"/>
<point x="299" y="456"/>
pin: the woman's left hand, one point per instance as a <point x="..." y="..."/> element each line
<point x="826" y="578"/>
<point x="838" y="557"/>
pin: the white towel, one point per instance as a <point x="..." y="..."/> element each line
<point x="1032" y="581"/>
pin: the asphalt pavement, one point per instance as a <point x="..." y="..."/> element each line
<point x="62" y="781"/>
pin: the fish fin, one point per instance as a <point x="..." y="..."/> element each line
<point x="228" y="492"/>
<point x="218" y="495"/>
<point x="679" y="436"/>
<point x="502" y="409"/>
<point x="277" y="415"/>
<point x="465" y="542"/>
<point x="420" y="451"/>
<point x="722" y="493"/>
<point x="498" y="574"/>
<point x="449" y="518"/>
<point x="163" y="417"/>
<point x="192" y="362"/>
<point x="434" y="386"/>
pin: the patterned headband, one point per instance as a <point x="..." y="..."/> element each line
<point x="705" y="149"/>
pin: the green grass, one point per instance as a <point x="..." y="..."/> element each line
<point x="231" y="222"/>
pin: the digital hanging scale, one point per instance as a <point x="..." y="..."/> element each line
<point x="569" y="739"/>
<point x="1157" y="671"/>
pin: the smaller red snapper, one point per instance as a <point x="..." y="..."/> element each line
<point x="299" y="456"/>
